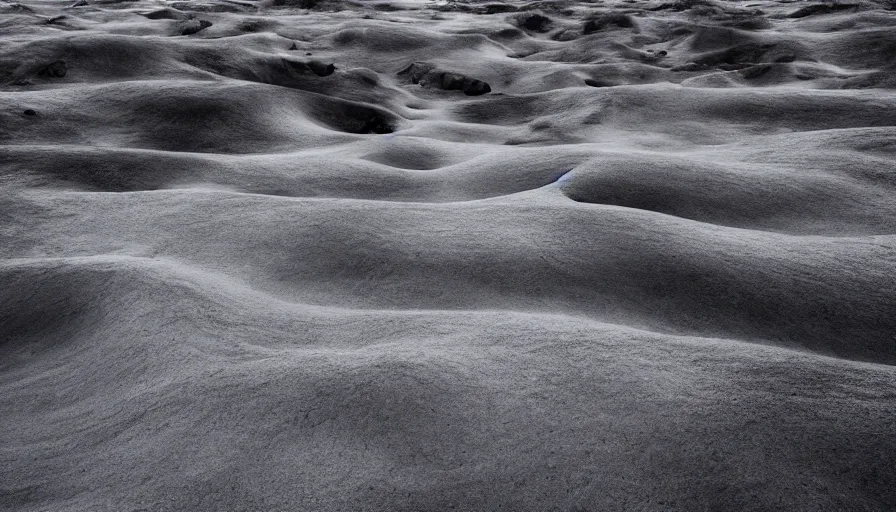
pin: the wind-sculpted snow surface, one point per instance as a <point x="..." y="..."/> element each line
<point x="321" y="255"/>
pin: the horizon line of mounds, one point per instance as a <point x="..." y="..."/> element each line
<point x="428" y="75"/>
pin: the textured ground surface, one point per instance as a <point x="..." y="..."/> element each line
<point x="417" y="256"/>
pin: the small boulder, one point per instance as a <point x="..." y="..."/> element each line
<point x="57" y="69"/>
<point x="534" y="22"/>
<point x="313" y="66"/>
<point x="320" y="69"/>
<point x="426" y="74"/>
<point x="167" y="14"/>
<point x="604" y="21"/>
<point x="195" y="26"/>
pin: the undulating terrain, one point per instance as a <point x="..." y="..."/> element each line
<point x="312" y="255"/>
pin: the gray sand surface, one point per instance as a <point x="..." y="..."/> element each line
<point x="340" y="255"/>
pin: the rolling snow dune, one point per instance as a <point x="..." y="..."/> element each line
<point x="405" y="256"/>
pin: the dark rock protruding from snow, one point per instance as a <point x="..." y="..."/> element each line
<point x="195" y="26"/>
<point x="534" y="22"/>
<point x="613" y="19"/>
<point x="428" y="75"/>
<point x="314" y="66"/>
<point x="57" y="69"/>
